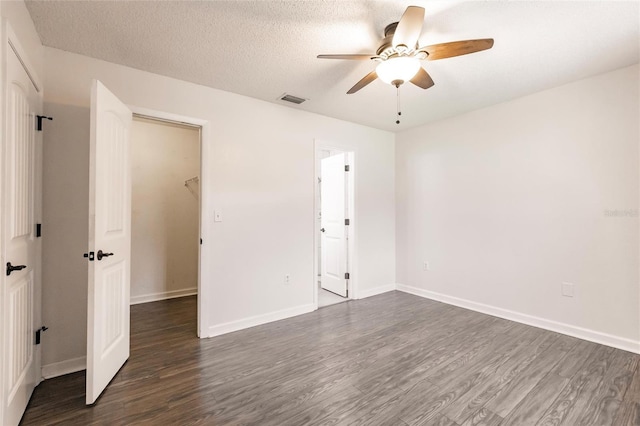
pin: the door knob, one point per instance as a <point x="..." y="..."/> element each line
<point x="101" y="254"/>
<point x="321" y="229"/>
<point x="11" y="268"/>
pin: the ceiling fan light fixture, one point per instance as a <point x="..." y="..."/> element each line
<point x="402" y="68"/>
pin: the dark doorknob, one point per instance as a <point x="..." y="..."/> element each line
<point x="101" y="254"/>
<point x="11" y="268"/>
<point x="321" y="229"/>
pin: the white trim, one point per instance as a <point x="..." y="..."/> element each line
<point x="558" y="327"/>
<point x="61" y="368"/>
<point x="13" y="41"/>
<point x="154" y="297"/>
<point x="162" y="115"/>
<point x="228" y="327"/>
<point x="3" y="67"/>
<point x="376" y="290"/>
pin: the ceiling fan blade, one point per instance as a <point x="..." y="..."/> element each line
<point x="422" y="79"/>
<point x="457" y="48"/>
<point x="347" y="56"/>
<point x="365" y="80"/>
<point x="409" y="27"/>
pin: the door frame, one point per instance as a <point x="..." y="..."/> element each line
<point x="9" y="37"/>
<point x="205" y="211"/>
<point x="352" y="235"/>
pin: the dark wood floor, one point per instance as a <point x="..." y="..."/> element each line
<point x="393" y="359"/>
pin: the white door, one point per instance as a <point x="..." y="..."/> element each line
<point x="333" y="231"/>
<point x="109" y="240"/>
<point x="20" y="246"/>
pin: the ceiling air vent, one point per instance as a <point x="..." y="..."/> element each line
<point x="292" y="99"/>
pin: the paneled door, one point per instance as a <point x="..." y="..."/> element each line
<point x="20" y="247"/>
<point x="333" y="232"/>
<point x="109" y="240"/>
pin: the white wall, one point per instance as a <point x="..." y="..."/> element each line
<point x="508" y="202"/>
<point x="65" y="234"/>
<point x="165" y="215"/>
<point x="258" y="170"/>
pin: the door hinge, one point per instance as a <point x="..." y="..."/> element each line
<point x="40" y="118"/>
<point x="38" y="230"/>
<point x="347" y="222"/>
<point x="346" y="275"/>
<point x="90" y="256"/>
<point x="39" y="333"/>
<point x="346" y="168"/>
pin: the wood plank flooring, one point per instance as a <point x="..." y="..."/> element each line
<point x="393" y="359"/>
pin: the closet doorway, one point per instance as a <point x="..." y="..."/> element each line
<point x="165" y="219"/>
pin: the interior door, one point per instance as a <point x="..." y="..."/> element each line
<point x="109" y="240"/>
<point x="20" y="248"/>
<point x="333" y="193"/>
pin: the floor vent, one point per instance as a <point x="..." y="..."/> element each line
<point x="292" y="99"/>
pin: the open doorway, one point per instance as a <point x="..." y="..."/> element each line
<point x="334" y="225"/>
<point x="165" y="219"/>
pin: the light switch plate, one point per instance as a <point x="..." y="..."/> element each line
<point x="217" y="216"/>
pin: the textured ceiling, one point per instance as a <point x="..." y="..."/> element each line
<point x="265" y="48"/>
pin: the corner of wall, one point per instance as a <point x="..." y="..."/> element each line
<point x="534" y="321"/>
<point x="69" y="366"/>
<point x="375" y="291"/>
<point x="231" y="326"/>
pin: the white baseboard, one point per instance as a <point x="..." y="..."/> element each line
<point x="61" y="368"/>
<point x="570" y="330"/>
<point x="154" y="297"/>
<point x="362" y="294"/>
<point x="228" y="327"/>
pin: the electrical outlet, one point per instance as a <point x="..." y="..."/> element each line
<point x="567" y="289"/>
<point x="287" y="279"/>
<point x="425" y="266"/>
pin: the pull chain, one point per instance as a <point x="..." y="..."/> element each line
<point x="398" y="103"/>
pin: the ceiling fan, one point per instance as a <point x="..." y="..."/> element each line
<point x="399" y="55"/>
